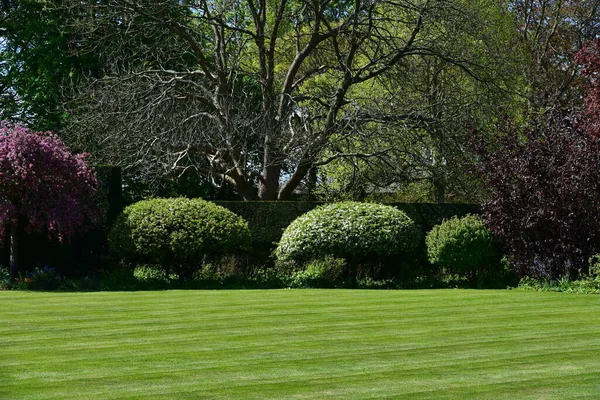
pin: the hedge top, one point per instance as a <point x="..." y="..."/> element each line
<point x="268" y="219"/>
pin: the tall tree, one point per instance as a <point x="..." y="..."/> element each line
<point x="273" y="87"/>
<point x="35" y="61"/>
<point x="552" y="31"/>
<point x="429" y="159"/>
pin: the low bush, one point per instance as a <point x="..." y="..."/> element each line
<point x="588" y="285"/>
<point x="151" y="275"/>
<point x="594" y="266"/>
<point x="117" y="279"/>
<point x="463" y="246"/>
<point x="44" y="278"/>
<point x="177" y="234"/>
<point x="360" y="233"/>
<point x="4" y="278"/>
<point x="225" y="271"/>
<point x="323" y="273"/>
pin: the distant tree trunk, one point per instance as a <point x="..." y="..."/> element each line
<point x="312" y="183"/>
<point x="439" y="190"/>
<point x="14" y="248"/>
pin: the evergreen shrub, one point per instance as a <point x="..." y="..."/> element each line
<point x="150" y="274"/>
<point x="177" y="234"/>
<point x="356" y="232"/>
<point x="463" y="245"/>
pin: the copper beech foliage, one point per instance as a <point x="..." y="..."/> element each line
<point x="589" y="58"/>
<point x="545" y="186"/>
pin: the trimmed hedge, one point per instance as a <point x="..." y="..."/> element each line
<point x="176" y="234"/>
<point x="110" y="192"/>
<point x="268" y="219"/>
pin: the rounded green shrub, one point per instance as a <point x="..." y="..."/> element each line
<point x="353" y="231"/>
<point x="176" y="233"/>
<point x="462" y="245"/>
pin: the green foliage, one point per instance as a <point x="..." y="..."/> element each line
<point x="152" y="274"/>
<point x="117" y="279"/>
<point x="37" y="63"/>
<point x="177" y="234"/>
<point x="428" y="215"/>
<point x="224" y="270"/>
<point x="322" y="273"/>
<point x="268" y="219"/>
<point x="462" y="245"/>
<point x="349" y="230"/>
<point x="4" y="278"/>
<point x="587" y="285"/>
<point x="594" y="263"/>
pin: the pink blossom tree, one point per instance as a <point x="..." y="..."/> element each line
<point x="43" y="187"/>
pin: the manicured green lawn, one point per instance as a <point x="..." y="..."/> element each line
<point x="299" y="344"/>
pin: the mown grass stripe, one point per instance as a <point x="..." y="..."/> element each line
<point x="299" y="344"/>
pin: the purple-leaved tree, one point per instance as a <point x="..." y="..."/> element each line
<point x="544" y="184"/>
<point x="43" y="187"/>
<point x="544" y="206"/>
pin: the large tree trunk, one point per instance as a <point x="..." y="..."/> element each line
<point x="14" y="248"/>
<point x="246" y="191"/>
<point x="288" y="189"/>
<point x="269" y="185"/>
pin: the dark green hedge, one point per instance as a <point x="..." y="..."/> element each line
<point x="427" y="215"/>
<point x="268" y="219"/>
<point x="110" y="192"/>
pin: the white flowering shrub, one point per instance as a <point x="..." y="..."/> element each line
<point x="349" y="230"/>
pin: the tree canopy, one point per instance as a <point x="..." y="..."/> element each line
<point x="274" y="96"/>
<point x="38" y="61"/>
<point x="258" y="93"/>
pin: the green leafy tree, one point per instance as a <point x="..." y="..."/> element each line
<point x="552" y="31"/>
<point x="445" y="101"/>
<point x="273" y="89"/>
<point x="37" y="61"/>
